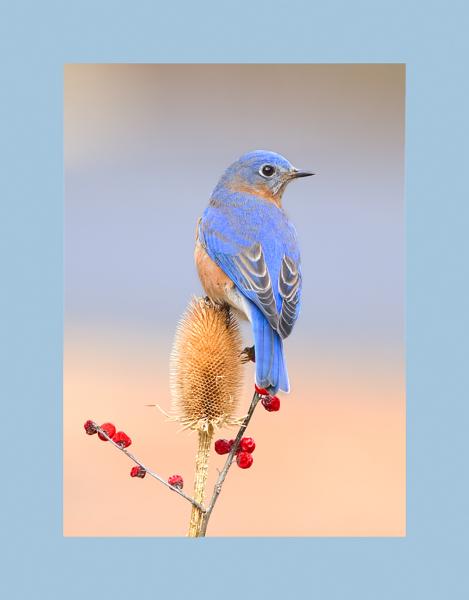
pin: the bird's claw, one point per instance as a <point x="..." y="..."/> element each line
<point x="248" y="355"/>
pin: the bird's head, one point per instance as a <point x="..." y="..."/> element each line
<point x="261" y="173"/>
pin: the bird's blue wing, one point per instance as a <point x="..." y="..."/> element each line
<point x="260" y="268"/>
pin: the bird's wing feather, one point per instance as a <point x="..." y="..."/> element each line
<point x="249" y="272"/>
<point x="289" y="285"/>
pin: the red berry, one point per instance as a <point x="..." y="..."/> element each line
<point x="109" y="429"/>
<point x="176" y="481"/>
<point x="244" y="460"/>
<point x="90" y="427"/>
<point x="247" y="444"/>
<point x="137" y="471"/>
<point x="222" y="446"/>
<point x="231" y="443"/>
<point x="272" y="403"/>
<point x="261" y="391"/>
<point x="121" y="439"/>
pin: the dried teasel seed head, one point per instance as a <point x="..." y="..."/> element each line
<point x="205" y="367"/>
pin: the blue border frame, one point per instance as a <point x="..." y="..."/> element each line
<point x="36" y="39"/>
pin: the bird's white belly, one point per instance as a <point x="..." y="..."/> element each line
<point x="239" y="302"/>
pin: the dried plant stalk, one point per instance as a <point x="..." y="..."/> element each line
<point x="206" y="368"/>
<point x="206" y="378"/>
<point x="201" y="473"/>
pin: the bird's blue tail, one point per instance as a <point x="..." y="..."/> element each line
<point x="271" y="371"/>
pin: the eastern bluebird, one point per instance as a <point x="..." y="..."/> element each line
<point x="247" y="255"/>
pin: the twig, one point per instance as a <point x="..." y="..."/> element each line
<point x="229" y="460"/>
<point x="151" y="473"/>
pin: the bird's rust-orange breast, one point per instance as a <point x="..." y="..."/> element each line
<point x="214" y="281"/>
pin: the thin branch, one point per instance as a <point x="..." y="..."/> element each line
<point x="229" y="460"/>
<point x="151" y="473"/>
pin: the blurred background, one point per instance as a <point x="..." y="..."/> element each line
<point x="144" y="147"/>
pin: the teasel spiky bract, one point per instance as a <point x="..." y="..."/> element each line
<point x="205" y="366"/>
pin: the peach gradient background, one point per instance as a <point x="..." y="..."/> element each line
<point x="144" y="145"/>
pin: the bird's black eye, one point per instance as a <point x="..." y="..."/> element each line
<point x="267" y="170"/>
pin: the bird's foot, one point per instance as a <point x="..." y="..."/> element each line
<point x="248" y="355"/>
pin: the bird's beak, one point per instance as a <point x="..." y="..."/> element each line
<point x="298" y="173"/>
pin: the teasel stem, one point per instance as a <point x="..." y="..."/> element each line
<point x="224" y="471"/>
<point x="201" y="472"/>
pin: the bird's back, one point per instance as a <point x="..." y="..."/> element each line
<point x="238" y="220"/>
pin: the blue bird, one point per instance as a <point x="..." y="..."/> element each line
<point x="247" y="256"/>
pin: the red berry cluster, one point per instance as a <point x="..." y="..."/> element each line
<point x="138" y="471"/>
<point x="121" y="439"/>
<point x="176" y="481"/>
<point x="244" y="460"/>
<point x="90" y="427"/>
<point x="270" y="403"/>
<point x="244" y="452"/>
<point x="118" y="437"/>
<point x="223" y="446"/>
